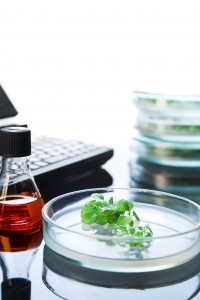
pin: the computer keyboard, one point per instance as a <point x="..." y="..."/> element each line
<point x="56" y="159"/>
<point x="60" y="166"/>
<point x="53" y="158"/>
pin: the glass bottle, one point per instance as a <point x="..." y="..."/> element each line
<point x="20" y="213"/>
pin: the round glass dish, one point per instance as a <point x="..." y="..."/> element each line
<point x="89" y="265"/>
<point x="170" y="128"/>
<point x="167" y="104"/>
<point x="163" y="152"/>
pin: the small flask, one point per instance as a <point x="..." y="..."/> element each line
<point x="20" y="213"/>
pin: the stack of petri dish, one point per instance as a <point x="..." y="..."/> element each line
<point x="165" y="143"/>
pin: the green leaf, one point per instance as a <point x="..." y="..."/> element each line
<point x="124" y="220"/>
<point x="97" y="196"/>
<point x="139" y="234"/>
<point x="111" y="201"/>
<point x="101" y="220"/>
<point x="136" y="216"/>
<point x="88" y="217"/>
<point x="124" y="205"/>
<point x="132" y="231"/>
<point x="131" y="223"/>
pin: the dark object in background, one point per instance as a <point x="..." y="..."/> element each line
<point x="92" y="179"/>
<point x="7" y="109"/>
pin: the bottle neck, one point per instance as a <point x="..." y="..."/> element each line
<point x="15" y="165"/>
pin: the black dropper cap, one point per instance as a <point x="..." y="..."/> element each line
<point x="15" y="141"/>
<point x="16" y="289"/>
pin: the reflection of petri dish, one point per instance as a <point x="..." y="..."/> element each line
<point x="97" y="262"/>
<point x="188" y="192"/>
<point x="163" y="152"/>
<point x="169" y="128"/>
<point x="166" y="103"/>
<point x="166" y="178"/>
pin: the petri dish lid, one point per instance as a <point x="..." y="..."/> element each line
<point x="166" y="102"/>
<point x="164" y="144"/>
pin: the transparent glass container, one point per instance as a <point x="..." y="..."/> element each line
<point x="176" y="128"/>
<point x="88" y="265"/>
<point x="167" y="104"/>
<point x="171" y="153"/>
<point x="20" y="213"/>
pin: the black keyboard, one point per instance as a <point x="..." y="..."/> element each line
<point x="60" y="166"/>
<point x="53" y="158"/>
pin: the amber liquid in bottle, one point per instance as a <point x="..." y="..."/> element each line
<point x="20" y="222"/>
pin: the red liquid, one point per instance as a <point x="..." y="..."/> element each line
<point x="20" y="223"/>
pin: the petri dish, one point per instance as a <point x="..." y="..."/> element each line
<point x="93" y="265"/>
<point x="171" y="153"/>
<point x="172" y="128"/>
<point x="167" y="103"/>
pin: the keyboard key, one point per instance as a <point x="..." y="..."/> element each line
<point x="41" y="163"/>
<point x="55" y="159"/>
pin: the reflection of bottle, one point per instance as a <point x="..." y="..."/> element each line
<point x="20" y="212"/>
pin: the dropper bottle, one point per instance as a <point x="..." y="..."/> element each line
<point x="20" y="213"/>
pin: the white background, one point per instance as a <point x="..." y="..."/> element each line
<point x="70" y="67"/>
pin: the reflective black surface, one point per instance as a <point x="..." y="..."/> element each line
<point x="70" y="268"/>
<point x="121" y="171"/>
<point x="62" y="185"/>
